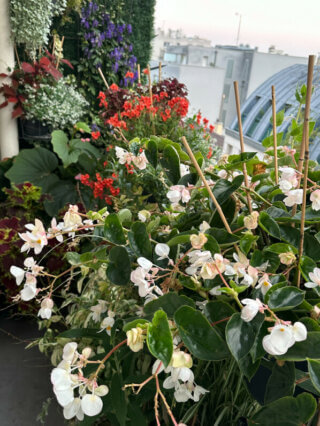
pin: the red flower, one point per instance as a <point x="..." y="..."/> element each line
<point x="191" y="126"/>
<point x="145" y="71"/>
<point x="211" y="128"/>
<point x="210" y="153"/>
<point x="95" y="135"/>
<point x="129" y="75"/>
<point x="114" y="87"/>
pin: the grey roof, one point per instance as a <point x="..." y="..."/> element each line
<point x="256" y="111"/>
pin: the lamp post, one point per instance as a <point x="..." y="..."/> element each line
<point x="239" y="27"/>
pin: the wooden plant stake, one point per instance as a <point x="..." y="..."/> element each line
<point x="305" y="152"/>
<point x="17" y="56"/>
<point x="160" y="71"/>
<point x="149" y="84"/>
<point x="204" y="180"/>
<point x="103" y="78"/>
<point x="139" y="75"/>
<point x="244" y="167"/>
<point x="274" y="123"/>
<point x="58" y="61"/>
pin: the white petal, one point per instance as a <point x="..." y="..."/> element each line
<point x="72" y="409"/>
<point x="162" y="249"/>
<point x="310" y="285"/>
<point x="299" y="331"/>
<point x="101" y="390"/>
<point x="91" y="404"/>
<point x="144" y="263"/>
<point x="18" y="273"/>
<point x="64" y="397"/>
<point x="69" y="351"/>
<point x="28" y="292"/>
<point x="169" y="383"/>
<point x="185" y="374"/>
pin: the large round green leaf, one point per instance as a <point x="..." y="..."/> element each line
<point x="269" y="225"/>
<point x="113" y="229"/>
<point x="281" y="382"/>
<point x="300" y="351"/>
<point x="240" y="335"/>
<point x="119" y="268"/>
<point x="152" y="153"/>
<point x="139" y="240"/>
<point x="159" y="338"/>
<point x="223" y="188"/>
<point x="36" y="166"/>
<point x="171" y="164"/>
<point x="286" y="298"/>
<point x="287" y="411"/>
<point x="218" y="312"/>
<point x="202" y="340"/>
<point x="314" y="371"/>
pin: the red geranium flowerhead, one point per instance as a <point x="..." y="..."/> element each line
<point x="145" y="71"/>
<point x="95" y="135"/>
<point x="129" y="74"/>
<point x="114" y="87"/>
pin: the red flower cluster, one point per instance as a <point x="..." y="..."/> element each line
<point x="205" y="122"/>
<point x="95" y="135"/>
<point x="179" y="105"/>
<point x="103" y="102"/>
<point x="114" y="87"/>
<point x="99" y="187"/>
<point x="115" y="122"/>
<point x="129" y="75"/>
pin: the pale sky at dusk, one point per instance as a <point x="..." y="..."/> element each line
<point x="291" y="25"/>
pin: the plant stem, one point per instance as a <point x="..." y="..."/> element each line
<point x="109" y="355"/>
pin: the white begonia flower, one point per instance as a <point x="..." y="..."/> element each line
<point x="222" y="174"/>
<point x="140" y="161"/>
<point x="144" y="263"/>
<point x="198" y="391"/>
<point x="198" y="241"/>
<point x="108" y="323"/>
<point x="46" y="308"/>
<point x="293" y="197"/>
<point x="70" y="352"/>
<point x="287" y="258"/>
<point x="315" y="198"/>
<point x="162" y="250"/>
<point x="315" y="279"/>
<point x="144" y="215"/>
<point x="98" y="309"/>
<point x="64" y="397"/>
<point x="251" y="308"/>
<point x="31" y="264"/>
<point x="29" y="290"/>
<point x="177" y="193"/>
<point x="124" y="156"/>
<point x="208" y="271"/>
<point x="138" y="277"/>
<point x="73" y="410"/>
<point x="135" y="339"/>
<point x="55" y="230"/>
<point x="184" y="169"/>
<point x="72" y="220"/>
<point x="299" y="331"/>
<point x="101" y="390"/>
<point x="288" y="179"/>
<point x="91" y="404"/>
<point x="251" y="221"/>
<point x="204" y="226"/>
<point x="264" y="284"/>
<point x="279" y="340"/>
<point x="36" y="239"/>
<point x="18" y="273"/>
<point x="216" y="291"/>
<point x="250" y="277"/>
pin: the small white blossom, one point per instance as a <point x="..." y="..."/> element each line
<point x="315" y="279"/>
<point x="46" y="308"/>
<point x="251" y="308"/>
<point x="315" y="199"/>
<point x="293" y="197"/>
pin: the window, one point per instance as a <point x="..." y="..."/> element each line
<point x="226" y="92"/>
<point x="223" y="118"/>
<point x="229" y="70"/>
<point x="246" y="111"/>
<point x="205" y="61"/>
<point x="258" y="118"/>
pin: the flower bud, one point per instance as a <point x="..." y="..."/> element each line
<point x="86" y="352"/>
<point x="198" y="241"/>
<point x="287" y="258"/>
<point x="144" y="215"/>
<point x="181" y="359"/>
<point x="251" y="221"/>
<point x="135" y="339"/>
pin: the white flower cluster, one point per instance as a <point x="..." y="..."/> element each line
<point x="59" y="105"/>
<point x="66" y="380"/>
<point x="30" y="273"/>
<point x="31" y="21"/>
<point x="126" y="157"/>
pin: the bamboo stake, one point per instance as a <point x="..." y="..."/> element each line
<point x="305" y="150"/>
<point x="103" y="78"/>
<point x="62" y="41"/>
<point x="275" y="144"/>
<point x="160" y="69"/>
<point x="139" y="74"/>
<point x="204" y="180"/>
<point x="244" y="168"/>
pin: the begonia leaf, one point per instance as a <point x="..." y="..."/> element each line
<point x="139" y="240"/>
<point x="119" y="268"/>
<point x="285" y="298"/>
<point x="159" y="338"/>
<point x="113" y="230"/>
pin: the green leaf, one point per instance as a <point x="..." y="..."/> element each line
<point x="139" y="240"/>
<point x="63" y="192"/>
<point x="247" y="241"/>
<point x="287" y="411"/>
<point x="218" y="311"/>
<point x="80" y="125"/>
<point x="223" y="188"/>
<point x="281" y="382"/>
<point x="87" y="333"/>
<point x="259" y="257"/>
<point x="300" y="351"/>
<point x="314" y="371"/>
<point x="159" y="338"/>
<point x="119" y="268"/>
<point x="169" y="302"/>
<point x="179" y="239"/>
<point x="222" y="236"/>
<point x="125" y="215"/>
<point x="229" y="210"/>
<point x="240" y="335"/>
<point x="36" y="166"/>
<point x="202" y="340"/>
<point x="152" y="153"/>
<point x="282" y="248"/>
<point x="59" y="142"/>
<point x="118" y="398"/>
<point x="171" y="164"/>
<point x="212" y="245"/>
<point x="247" y="367"/>
<point x="285" y="298"/>
<point x="113" y="230"/>
<point x="73" y="258"/>
<point x="269" y="225"/>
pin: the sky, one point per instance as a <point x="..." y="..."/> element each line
<point x="291" y="25"/>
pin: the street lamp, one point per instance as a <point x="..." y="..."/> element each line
<point x="239" y="26"/>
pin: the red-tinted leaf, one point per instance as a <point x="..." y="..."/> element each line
<point x="49" y="54"/>
<point x="13" y="99"/>
<point x="17" y="112"/>
<point x="65" y="61"/>
<point x="3" y="75"/>
<point x="27" y="67"/>
<point x="4" y="104"/>
<point x="8" y="91"/>
<point x="44" y="61"/>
